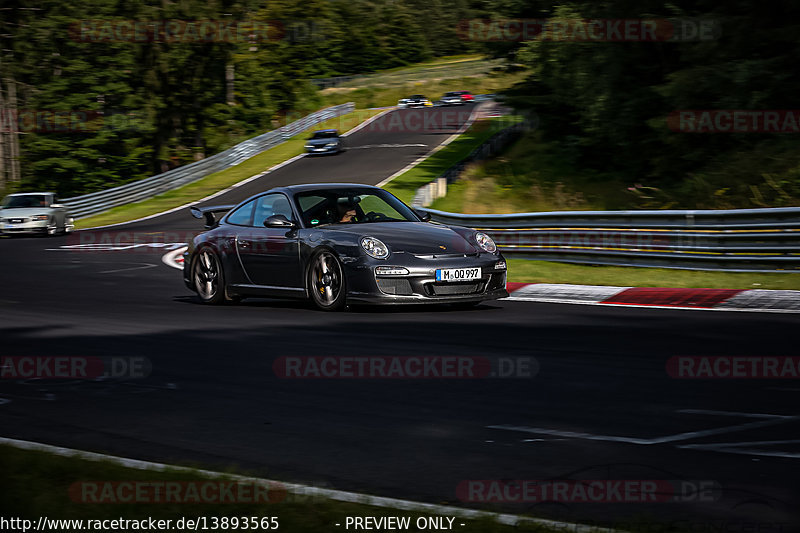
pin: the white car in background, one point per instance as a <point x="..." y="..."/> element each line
<point x="34" y="213"/>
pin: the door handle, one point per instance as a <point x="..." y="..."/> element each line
<point x="244" y="244"/>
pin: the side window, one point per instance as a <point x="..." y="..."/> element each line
<point x="242" y="216"/>
<point x="272" y="204"/>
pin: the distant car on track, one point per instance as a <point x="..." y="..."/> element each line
<point x="415" y="100"/>
<point x="324" y="142"/>
<point x="336" y="244"/>
<point x="466" y="96"/>
<point x="34" y="213"/>
<point x="452" y="98"/>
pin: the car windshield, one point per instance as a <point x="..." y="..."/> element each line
<point x="452" y="94"/>
<point x="356" y="206"/>
<point x="28" y="200"/>
<point x="324" y="135"/>
<point x="416" y="96"/>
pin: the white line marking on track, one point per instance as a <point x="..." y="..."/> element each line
<point x="738" y="448"/>
<point x="386" y="146"/>
<point x="767" y="420"/>
<point x="142" y="267"/>
<point x="732" y="413"/>
<point x="307" y="490"/>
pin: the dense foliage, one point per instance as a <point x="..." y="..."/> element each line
<point x="605" y="105"/>
<point x="136" y="106"/>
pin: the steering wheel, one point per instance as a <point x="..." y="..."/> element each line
<point x="372" y="216"/>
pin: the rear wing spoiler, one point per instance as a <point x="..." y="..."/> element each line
<point x="209" y="213"/>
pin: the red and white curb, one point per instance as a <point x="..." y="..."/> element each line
<point x="776" y="301"/>
<point x="174" y="258"/>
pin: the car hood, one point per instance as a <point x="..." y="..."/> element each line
<point x="419" y="238"/>
<point x="24" y="212"/>
<point x="321" y="142"/>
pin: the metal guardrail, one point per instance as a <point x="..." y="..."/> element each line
<point x="746" y="240"/>
<point x="751" y="240"/>
<point x="136" y="191"/>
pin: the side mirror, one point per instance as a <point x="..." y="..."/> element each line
<point x="278" y="221"/>
<point x="424" y="215"/>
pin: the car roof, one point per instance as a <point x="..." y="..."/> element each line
<point x="30" y="193"/>
<point x="291" y="190"/>
<point x="326" y="131"/>
<point x="326" y="186"/>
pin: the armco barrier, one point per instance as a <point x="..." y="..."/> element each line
<point x="88" y="204"/>
<point x="733" y="240"/>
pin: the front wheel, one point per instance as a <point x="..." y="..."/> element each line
<point x="208" y="278"/>
<point x="326" y="281"/>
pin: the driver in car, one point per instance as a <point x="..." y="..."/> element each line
<point x="347" y="213"/>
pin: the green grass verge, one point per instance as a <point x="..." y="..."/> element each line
<point x="405" y="185"/>
<point x="223" y="179"/>
<point x="531" y="176"/>
<point x="37" y="484"/>
<point x="528" y="271"/>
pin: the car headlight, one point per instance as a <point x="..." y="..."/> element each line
<point x="329" y="145"/>
<point x="485" y="242"/>
<point x="374" y="248"/>
<point x="41" y="217"/>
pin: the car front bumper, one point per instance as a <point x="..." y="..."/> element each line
<point x="322" y="149"/>
<point x="420" y="285"/>
<point x="23" y="228"/>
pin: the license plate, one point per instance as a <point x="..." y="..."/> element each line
<point x="457" y="274"/>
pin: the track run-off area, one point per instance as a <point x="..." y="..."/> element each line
<point x="570" y="392"/>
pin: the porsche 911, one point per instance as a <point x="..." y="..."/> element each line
<point x="335" y="245"/>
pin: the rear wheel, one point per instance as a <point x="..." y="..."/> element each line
<point x="208" y="278"/>
<point x="326" y="281"/>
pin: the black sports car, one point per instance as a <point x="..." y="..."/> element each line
<point x="339" y="244"/>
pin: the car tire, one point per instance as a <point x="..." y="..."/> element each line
<point x="326" y="281"/>
<point x="51" y="230"/>
<point x="208" y="277"/>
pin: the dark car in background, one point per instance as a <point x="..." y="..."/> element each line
<point x="324" y="142"/>
<point x="337" y="244"/>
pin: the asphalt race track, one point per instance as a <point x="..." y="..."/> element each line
<point x="601" y="404"/>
